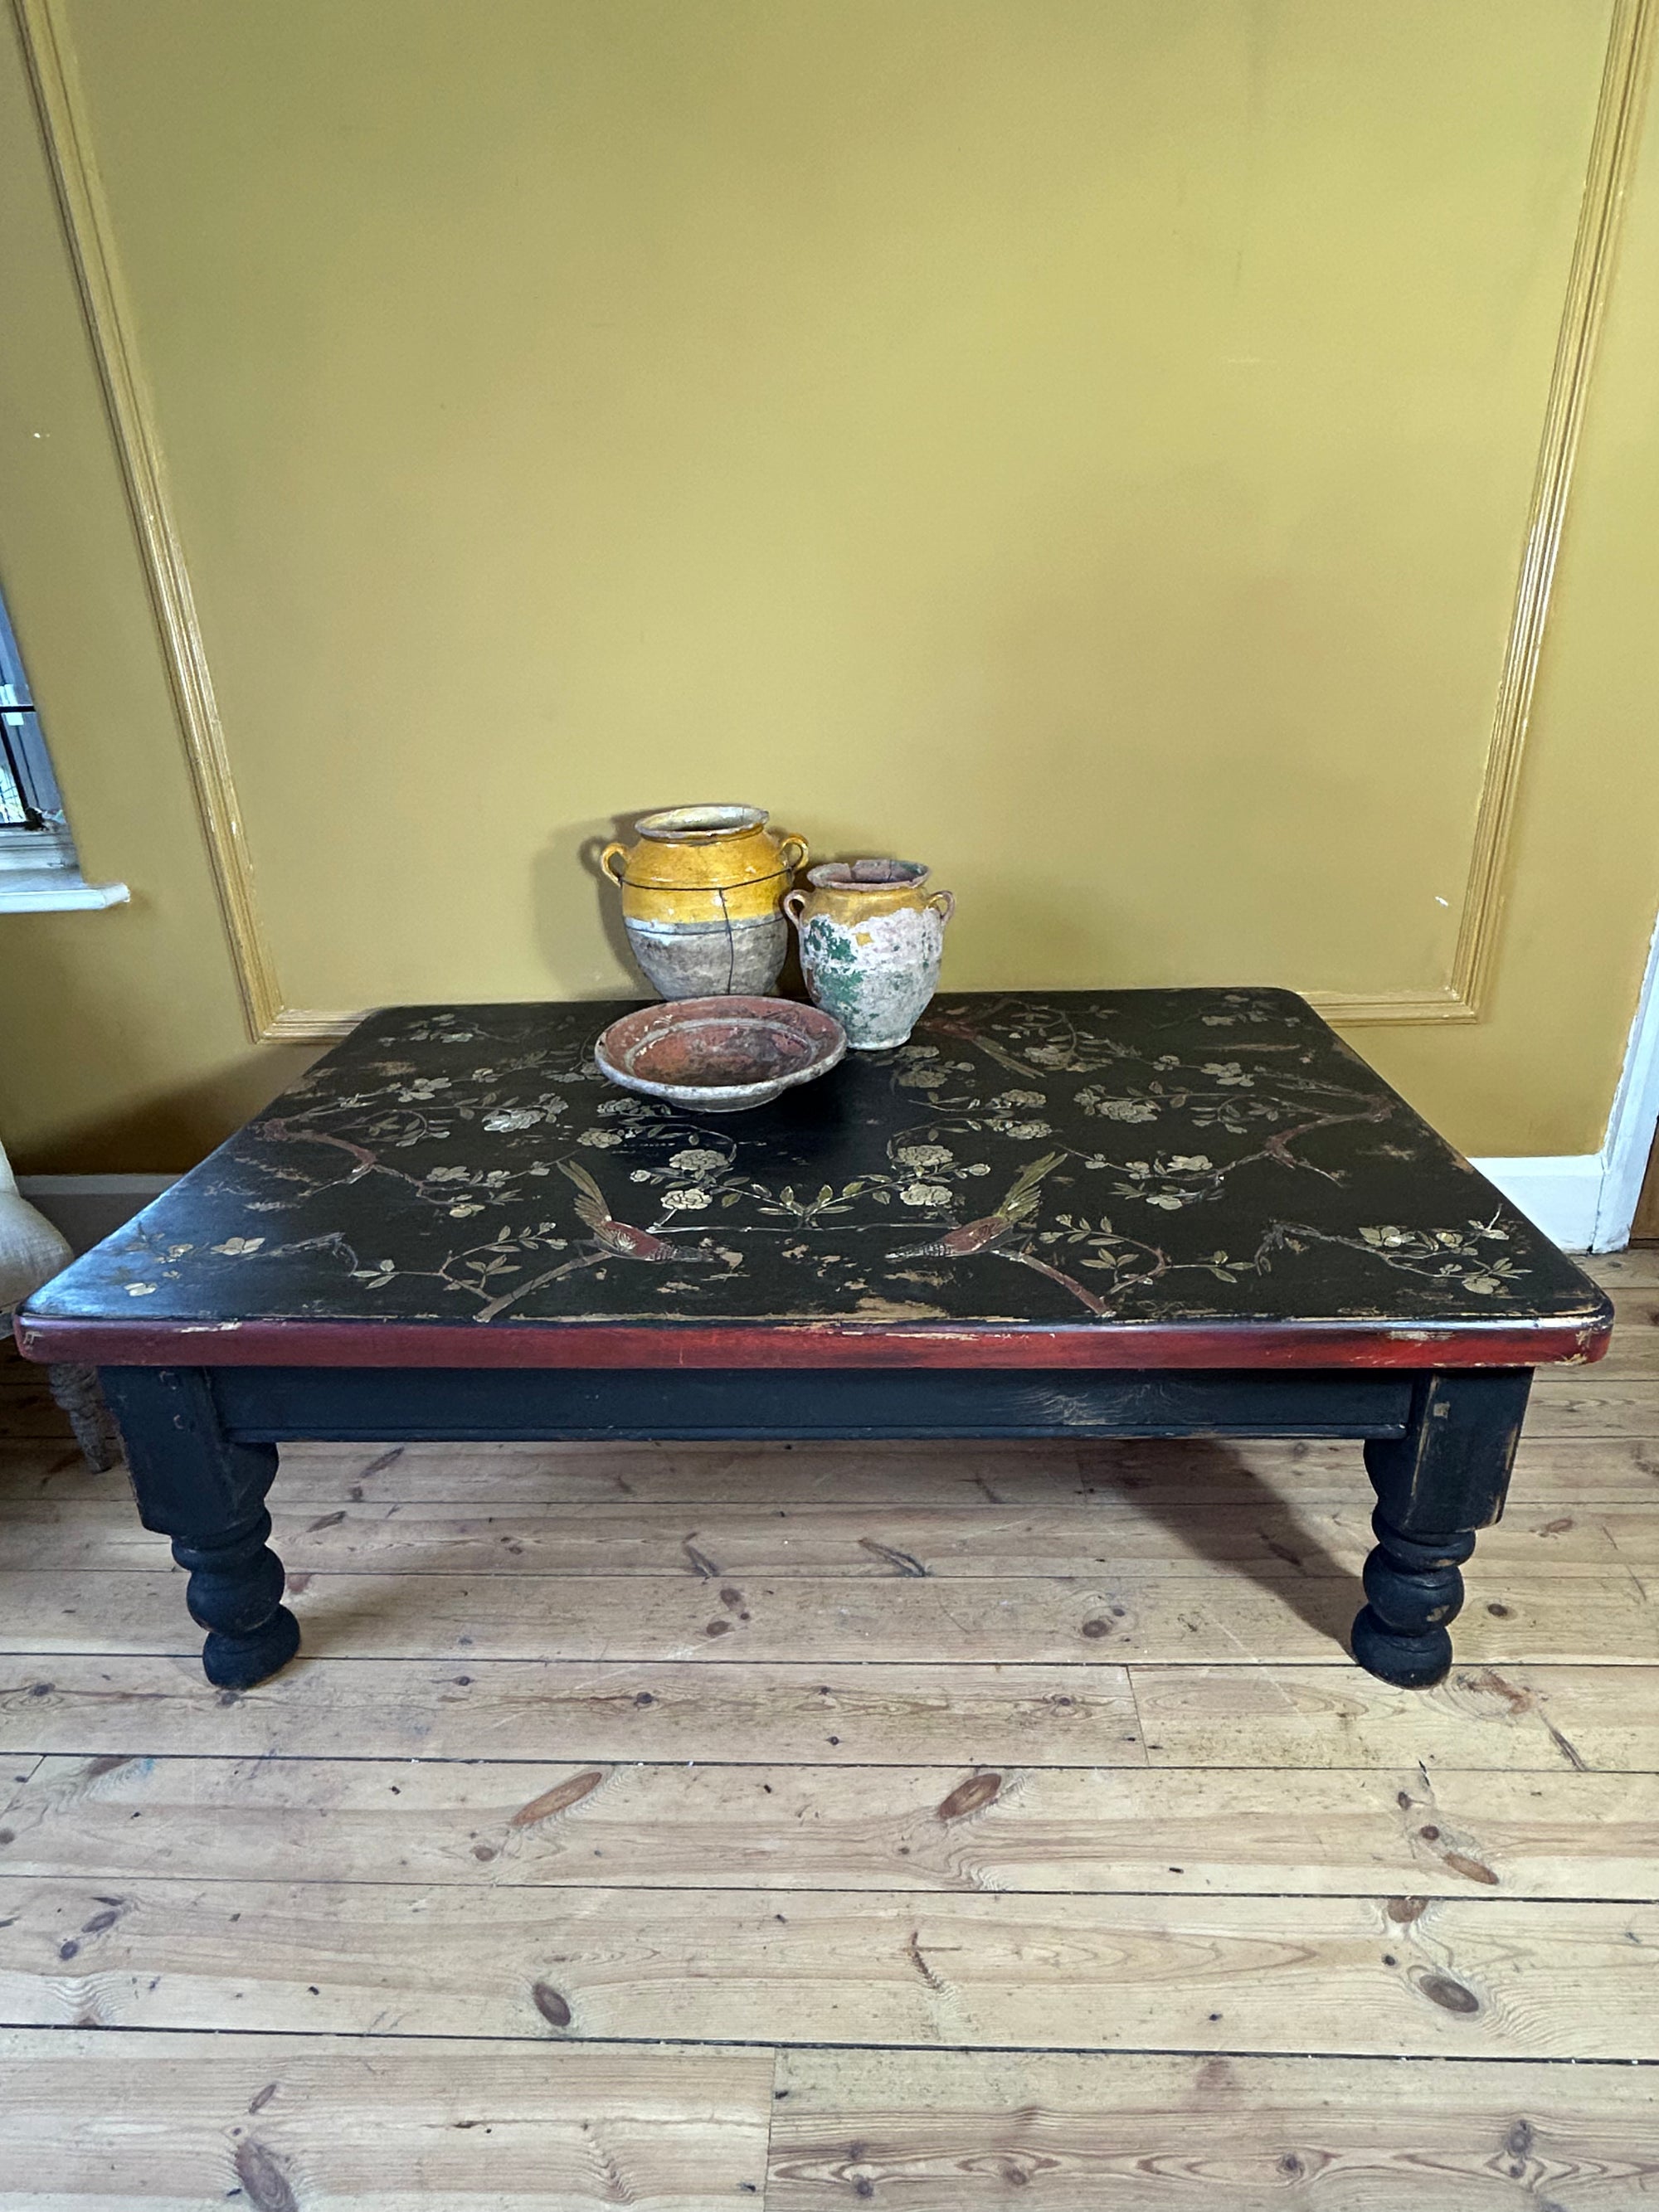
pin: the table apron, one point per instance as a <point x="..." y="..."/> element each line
<point x="274" y="1405"/>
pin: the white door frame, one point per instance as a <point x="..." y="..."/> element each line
<point x="1634" y="1117"/>
<point x="1587" y="1200"/>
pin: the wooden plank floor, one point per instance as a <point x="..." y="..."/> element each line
<point x="940" y="1827"/>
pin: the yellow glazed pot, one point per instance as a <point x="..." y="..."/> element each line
<point x="871" y="938"/>
<point x="701" y="898"/>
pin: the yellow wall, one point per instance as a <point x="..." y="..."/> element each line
<point x="1086" y="444"/>
<point x="122" y="1045"/>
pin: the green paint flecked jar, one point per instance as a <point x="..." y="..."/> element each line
<point x="871" y="940"/>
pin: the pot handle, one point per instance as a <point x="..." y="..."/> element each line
<point x="613" y="852"/>
<point x="800" y="846"/>
<point x="794" y="904"/>
<point x="944" y="904"/>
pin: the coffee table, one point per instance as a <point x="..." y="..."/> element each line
<point x="1050" y="1214"/>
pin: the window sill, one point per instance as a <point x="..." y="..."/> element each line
<point x="54" y="890"/>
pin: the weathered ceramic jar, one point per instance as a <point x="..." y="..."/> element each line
<point x="871" y="938"/>
<point x="700" y="895"/>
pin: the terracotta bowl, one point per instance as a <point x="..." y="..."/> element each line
<point x="720" y="1056"/>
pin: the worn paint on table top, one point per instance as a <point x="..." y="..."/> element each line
<point x="1028" y="1158"/>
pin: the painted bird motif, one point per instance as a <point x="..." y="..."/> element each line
<point x="981" y="1235"/>
<point x="620" y="1236"/>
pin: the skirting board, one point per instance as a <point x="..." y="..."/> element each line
<point x="86" y="1208"/>
<point x="1560" y="1195"/>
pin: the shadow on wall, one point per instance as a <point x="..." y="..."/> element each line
<point x="578" y="913"/>
<point x="584" y="946"/>
<point x="578" y="916"/>
<point x="171" y="1130"/>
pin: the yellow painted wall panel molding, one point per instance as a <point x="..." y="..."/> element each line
<point x="85" y="220"/>
<point x="1461" y="1000"/>
<point x="296" y="1025"/>
<point x="1613" y="151"/>
<point x="142" y="463"/>
<point x="300" y="1025"/>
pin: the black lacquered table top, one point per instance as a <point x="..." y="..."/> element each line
<point x="1073" y="1160"/>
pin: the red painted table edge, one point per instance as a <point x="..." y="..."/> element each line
<point x="1149" y="1346"/>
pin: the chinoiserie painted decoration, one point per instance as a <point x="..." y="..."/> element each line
<point x="871" y="938"/>
<point x="701" y="894"/>
<point x="1085" y="1158"/>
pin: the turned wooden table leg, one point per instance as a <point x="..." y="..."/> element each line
<point x="1435" y="1486"/>
<point x="207" y="1494"/>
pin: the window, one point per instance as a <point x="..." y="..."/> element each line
<point x="38" y="869"/>
<point x="28" y="790"/>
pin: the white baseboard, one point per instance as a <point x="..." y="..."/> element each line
<point x="86" y="1208"/>
<point x="1561" y="1195"/>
